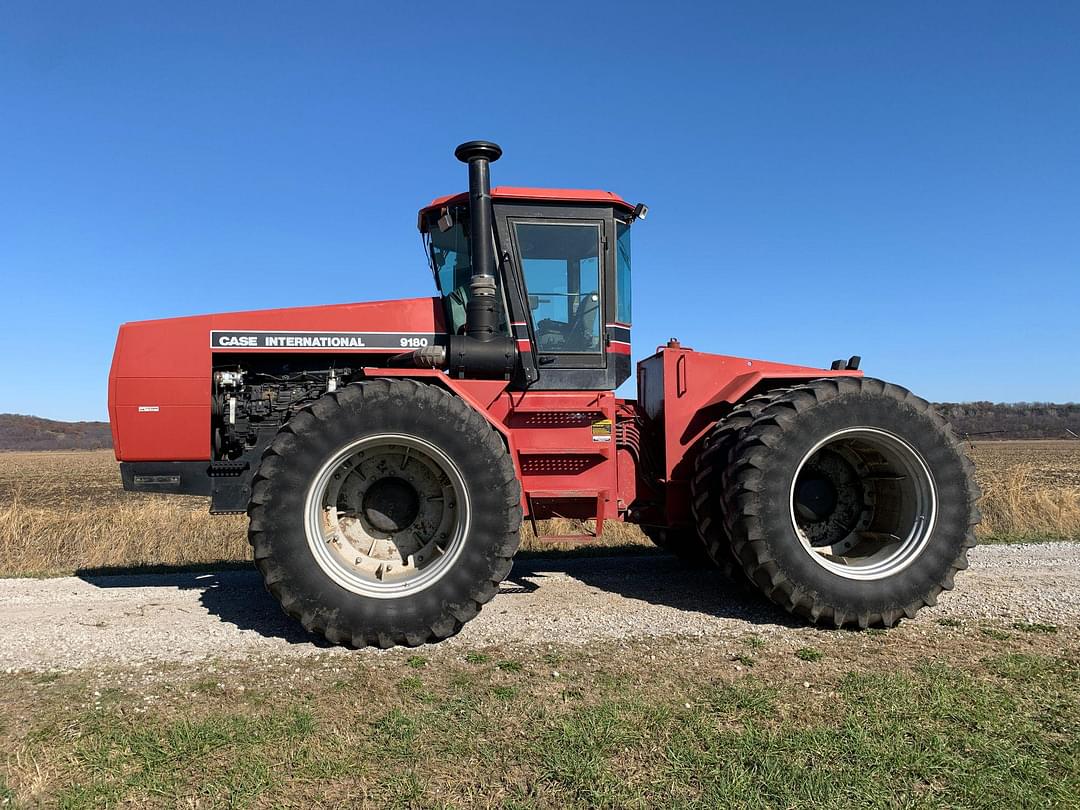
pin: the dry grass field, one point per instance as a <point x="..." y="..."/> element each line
<point x="1031" y="489"/>
<point x="61" y="512"/>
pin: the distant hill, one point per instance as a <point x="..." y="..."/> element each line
<point x="978" y="420"/>
<point x="19" y="432"/>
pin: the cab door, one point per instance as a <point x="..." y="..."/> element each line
<point x="562" y="260"/>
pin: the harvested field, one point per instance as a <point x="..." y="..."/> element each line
<point x="62" y="512"/>
<point x="1031" y="490"/>
<point x="65" y="511"/>
<point x="1047" y="464"/>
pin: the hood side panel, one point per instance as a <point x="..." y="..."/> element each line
<point x="160" y="382"/>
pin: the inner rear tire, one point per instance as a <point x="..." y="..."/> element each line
<point x="849" y="501"/>
<point x="706" y="489"/>
<point x="385" y="513"/>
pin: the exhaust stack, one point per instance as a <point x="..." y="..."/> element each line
<point x="481" y="351"/>
<point x="481" y="315"/>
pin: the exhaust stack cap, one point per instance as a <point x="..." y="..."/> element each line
<point x="478" y="149"/>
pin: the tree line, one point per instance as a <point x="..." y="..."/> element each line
<point x="975" y="420"/>
<point x="1016" y="420"/>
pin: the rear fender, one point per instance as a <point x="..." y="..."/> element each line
<point x="684" y="393"/>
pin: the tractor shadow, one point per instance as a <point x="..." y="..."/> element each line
<point x="235" y="596"/>
<point x="656" y="578"/>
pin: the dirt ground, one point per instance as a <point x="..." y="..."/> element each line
<point x="89" y="621"/>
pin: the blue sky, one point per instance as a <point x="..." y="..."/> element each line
<point x="896" y="180"/>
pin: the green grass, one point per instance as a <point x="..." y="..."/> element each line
<point x="411" y="685"/>
<point x="1035" y="627"/>
<point x="7" y="795"/>
<point x="155" y="759"/>
<point x="612" y="731"/>
<point x="940" y="735"/>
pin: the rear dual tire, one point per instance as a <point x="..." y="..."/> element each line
<point x="707" y="543"/>
<point x="846" y="500"/>
<point x="386" y="513"/>
<point x="707" y="498"/>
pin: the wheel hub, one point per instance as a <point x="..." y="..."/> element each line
<point x="391" y="504"/>
<point x="815" y="498"/>
<point x="828" y="499"/>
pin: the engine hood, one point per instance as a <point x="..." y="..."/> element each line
<point x="160" y="381"/>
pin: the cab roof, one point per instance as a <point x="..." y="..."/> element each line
<point x="568" y="195"/>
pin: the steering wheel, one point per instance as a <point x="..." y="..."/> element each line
<point x="589" y="307"/>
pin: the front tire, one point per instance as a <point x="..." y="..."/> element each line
<point x="385" y="513"/>
<point x="849" y="501"/>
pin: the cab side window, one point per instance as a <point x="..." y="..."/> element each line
<point x="623" y="289"/>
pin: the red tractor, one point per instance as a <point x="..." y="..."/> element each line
<point x="386" y="452"/>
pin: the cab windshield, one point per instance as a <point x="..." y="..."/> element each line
<point x="451" y="263"/>
<point x="448" y="253"/>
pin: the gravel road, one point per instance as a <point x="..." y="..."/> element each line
<point x="96" y="621"/>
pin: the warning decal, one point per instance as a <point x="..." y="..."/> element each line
<point x="601" y="430"/>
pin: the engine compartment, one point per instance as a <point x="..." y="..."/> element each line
<point x="251" y="401"/>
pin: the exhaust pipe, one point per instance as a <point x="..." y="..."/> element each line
<point x="481" y="315"/>
<point x="481" y="351"/>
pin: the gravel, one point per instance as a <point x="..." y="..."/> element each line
<point x="94" y="621"/>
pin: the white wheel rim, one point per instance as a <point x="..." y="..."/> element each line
<point x="357" y="515"/>
<point x="863" y="503"/>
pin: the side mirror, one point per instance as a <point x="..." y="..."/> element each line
<point x="641" y="210"/>
<point x="445" y="221"/>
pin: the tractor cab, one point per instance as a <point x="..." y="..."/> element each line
<point x="561" y="280"/>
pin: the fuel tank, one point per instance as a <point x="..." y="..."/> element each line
<point x="160" y="382"/>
